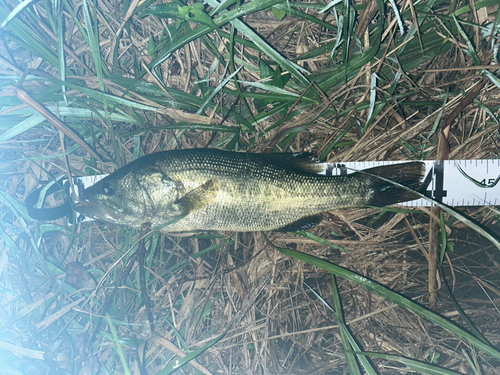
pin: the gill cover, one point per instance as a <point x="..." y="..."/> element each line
<point x="131" y="197"/>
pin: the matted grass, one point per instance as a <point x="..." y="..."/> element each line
<point x="88" y="86"/>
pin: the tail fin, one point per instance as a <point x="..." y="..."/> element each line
<point x="384" y="193"/>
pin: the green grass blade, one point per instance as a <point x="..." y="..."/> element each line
<point x="330" y="5"/>
<point x="21" y="214"/>
<point x="275" y="90"/>
<point x="398" y="16"/>
<point x="470" y="48"/>
<point x="59" y="27"/>
<point x="103" y="96"/>
<point x="178" y="363"/>
<point x="271" y="52"/>
<point x="18" y="9"/>
<point x="417" y="366"/>
<point x="391" y="296"/>
<point x="22" y="127"/>
<point x="319" y="240"/>
<point x="93" y="39"/>
<point x="27" y="38"/>
<point x="345" y="334"/>
<point x="118" y="346"/>
<point x="326" y="81"/>
<point x="216" y="91"/>
<point x="465" y="317"/>
<point x="201" y="30"/>
<point x="290" y="8"/>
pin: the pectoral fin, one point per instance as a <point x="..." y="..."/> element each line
<point x="305" y="223"/>
<point x="197" y="198"/>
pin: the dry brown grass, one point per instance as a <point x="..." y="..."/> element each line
<point x="279" y="325"/>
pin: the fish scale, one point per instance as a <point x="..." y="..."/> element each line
<point x="254" y="195"/>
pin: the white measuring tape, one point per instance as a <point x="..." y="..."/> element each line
<point x="452" y="182"/>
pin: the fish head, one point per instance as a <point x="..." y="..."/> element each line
<point x="132" y="196"/>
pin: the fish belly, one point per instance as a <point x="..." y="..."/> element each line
<point x="253" y="204"/>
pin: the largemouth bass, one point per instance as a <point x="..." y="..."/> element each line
<point x="208" y="189"/>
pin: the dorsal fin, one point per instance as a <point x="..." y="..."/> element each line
<point x="301" y="161"/>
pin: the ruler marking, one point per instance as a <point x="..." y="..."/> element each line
<point x="448" y="184"/>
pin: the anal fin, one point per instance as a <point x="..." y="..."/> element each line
<point x="304" y="223"/>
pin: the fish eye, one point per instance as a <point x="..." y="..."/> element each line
<point x="108" y="188"/>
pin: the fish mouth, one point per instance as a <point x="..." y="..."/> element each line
<point x="97" y="211"/>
